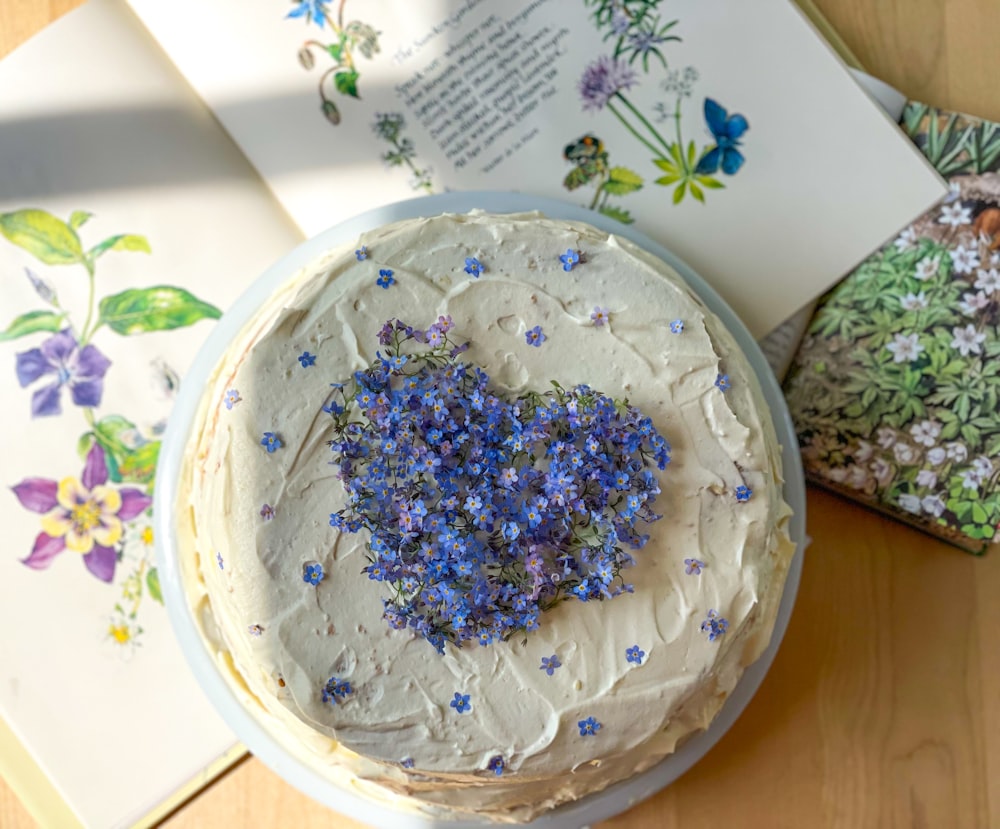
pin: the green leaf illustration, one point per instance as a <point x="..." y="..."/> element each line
<point x="622" y="181"/>
<point x="336" y="50"/>
<point x="31" y="322"/>
<point x="126" y="463"/>
<point x="696" y="191"/>
<point x="108" y="432"/>
<point x="617" y="213"/>
<point x="160" y="308"/>
<point x="665" y="164"/>
<point x="668" y="179"/>
<point x="347" y="82"/>
<point x="79" y="218"/>
<point x="576" y="177"/>
<point x="709" y="182"/>
<point x="45" y="237"/>
<point x="153" y="583"/>
<point x="679" y="192"/>
<point x="124" y="241"/>
<point x="139" y="465"/>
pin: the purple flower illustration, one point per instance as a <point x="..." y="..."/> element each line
<point x="84" y="516"/>
<point x="604" y="78"/>
<point x="82" y="369"/>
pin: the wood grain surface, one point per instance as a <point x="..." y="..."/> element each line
<point x="883" y="705"/>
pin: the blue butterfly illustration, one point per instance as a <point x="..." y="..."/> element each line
<point x="727" y="129"/>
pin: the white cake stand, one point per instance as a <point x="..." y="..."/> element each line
<point x="254" y="731"/>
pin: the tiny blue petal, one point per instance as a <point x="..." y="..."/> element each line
<point x="361" y="253"/>
<point x="307" y="359"/>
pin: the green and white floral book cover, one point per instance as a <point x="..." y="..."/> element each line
<point x="895" y="388"/>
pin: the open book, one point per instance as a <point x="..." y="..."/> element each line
<point x="144" y="184"/>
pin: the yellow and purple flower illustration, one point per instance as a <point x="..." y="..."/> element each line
<point x="83" y="515"/>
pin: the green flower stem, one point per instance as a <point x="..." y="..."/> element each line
<point x="425" y="185"/>
<point x="680" y="140"/>
<point x="631" y="129"/>
<point x="598" y="190"/>
<point x="86" y="333"/>
<point x="642" y="118"/>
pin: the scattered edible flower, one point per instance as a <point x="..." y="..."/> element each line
<point x="336" y="689"/>
<point x="549" y="664"/>
<point x="635" y="655"/>
<point x="693" y="566"/>
<point x="474" y="267"/>
<point x="313" y="574"/>
<point x="569" y="259"/>
<point x="535" y="336"/>
<point x="714" y="626"/>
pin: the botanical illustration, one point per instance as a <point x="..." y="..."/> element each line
<point x="895" y="390"/>
<point x="388" y="127"/>
<point x="637" y="35"/>
<point x="99" y="509"/>
<point x="349" y="39"/>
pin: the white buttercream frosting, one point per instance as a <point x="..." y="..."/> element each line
<point x="402" y="688"/>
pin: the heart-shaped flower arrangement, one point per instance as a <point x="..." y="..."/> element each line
<point x="484" y="512"/>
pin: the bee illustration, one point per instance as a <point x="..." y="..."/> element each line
<point x="590" y="158"/>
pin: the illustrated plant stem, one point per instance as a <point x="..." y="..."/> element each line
<point x="597" y="192"/>
<point x="413" y="169"/>
<point x="653" y="131"/>
<point x="680" y="141"/>
<point x="631" y="129"/>
<point x="85" y="333"/>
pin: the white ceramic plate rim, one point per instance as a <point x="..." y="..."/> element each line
<point x="600" y="806"/>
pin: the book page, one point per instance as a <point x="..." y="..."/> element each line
<point x="128" y="222"/>
<point x="755" y="158"/>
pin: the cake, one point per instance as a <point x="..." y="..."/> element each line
<point x="561" y="703"/>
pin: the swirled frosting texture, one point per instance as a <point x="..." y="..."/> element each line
<point x="400" y="707"/>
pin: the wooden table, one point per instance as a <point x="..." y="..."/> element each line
<point x="883" y="705"/>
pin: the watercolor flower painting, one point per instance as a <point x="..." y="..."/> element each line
<point x="102" y="514"/>
<point x="637" y="35"/>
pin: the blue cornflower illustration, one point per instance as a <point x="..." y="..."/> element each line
<point x="314" y="11"/>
